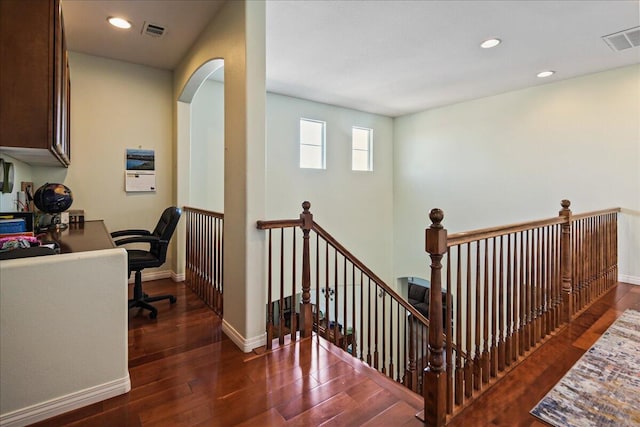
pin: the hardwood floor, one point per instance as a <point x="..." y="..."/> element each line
<point x="186" y="372"/>
<point x="509" y="401"/>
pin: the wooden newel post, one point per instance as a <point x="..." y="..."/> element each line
<point x="434" y="376"/>
<point x="565" y="262"/>
<point x="306" y="319"/>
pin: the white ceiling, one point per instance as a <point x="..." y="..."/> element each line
<point x="386" y="57"/>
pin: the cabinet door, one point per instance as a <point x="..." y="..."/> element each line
<point x="26" y="74"/>
<point x="61" y="88"/>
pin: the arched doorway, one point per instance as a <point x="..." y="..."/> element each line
<point x="200" y="145"/>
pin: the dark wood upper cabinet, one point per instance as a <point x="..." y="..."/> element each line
<point x="34" y="83"/>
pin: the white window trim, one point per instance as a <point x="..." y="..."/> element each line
<point x="323" y="145"/>
<point x="369" y="149"/>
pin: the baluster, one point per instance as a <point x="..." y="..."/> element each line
<point x="477" y="361"/>
<point x="382" y="295"/>
<point x="529" y="333"/>
<point x="547" y="283"/>
<point x="292" y="314"/>
<point x="557" y="279"/>
<point x="390" y="372"/>
<point x="522" y="297"/>
<point x="448" y="319"/>
<point x="317" y="314"/>
<point x="508" y="353"/>
<point x="362" y="316"/>
<point x="344" y="304"/>
<point x="336" y="322"/>
<point x="411" y="378"/>
<point x="459" y="367"/>
<point x="538" y="288"/>
<point x="281" y="301"/>
<point x="220" y="266"/>
<point x="354" y="337"/>
<point x="369" y="328"/>
<point x="327" y="314"/>
<point x="494" y="316"/>
<point x="486" y="363"/>
<point x="269" y="294"/>
<point x="375" y="330"/>
<point x="501" y="308"/>
<point x="468" y="369"/>
<point x="434" y="380"/>
<point x="400" y="344"/>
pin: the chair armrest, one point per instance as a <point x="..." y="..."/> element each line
<point x="121" y="233"/>
<point x="138" y="239"/>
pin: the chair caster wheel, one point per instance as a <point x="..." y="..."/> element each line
<point x="153" y="315"/>
<point x="172" y="300"/>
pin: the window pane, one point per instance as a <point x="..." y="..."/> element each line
<point x="360" y="160"/>
<point x="311" y="157"/>
<point x="311" y="132"/>
<point x="312" y="144"/>
<point x="361" y="142"/>
<point x="361" y="139"/>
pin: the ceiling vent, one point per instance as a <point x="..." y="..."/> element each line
<point x="153" y="30"/>
<point x="624" y="39"/>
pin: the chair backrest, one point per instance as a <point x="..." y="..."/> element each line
<point x="164" y="230"/>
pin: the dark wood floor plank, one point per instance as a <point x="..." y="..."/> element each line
<point x="186" y="372"/>
<point x="509" y="401"/>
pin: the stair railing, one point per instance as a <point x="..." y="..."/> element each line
<point x="509" y="288"/>
<point x="203" y="269"/>
<point x="338" y="297"/>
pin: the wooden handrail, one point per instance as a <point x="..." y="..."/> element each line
<point x="333" y="242"/>
<point x="490" y="232"/>
<point x="501" y="230"/>
<point x="279" y="223"/>
<point x="576" y="217"/>
<point x="204" y="212"/>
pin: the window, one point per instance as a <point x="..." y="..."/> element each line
<point x="361" y="153"/>
<point x="312" y="143"/>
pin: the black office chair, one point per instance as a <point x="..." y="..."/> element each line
<point x="156" y="255"/>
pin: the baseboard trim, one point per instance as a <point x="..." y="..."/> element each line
<point x="177" y="277"/>
<point x="634" y="280"/>
<point x="59" y="405"/>
<point x="245" y="344"/>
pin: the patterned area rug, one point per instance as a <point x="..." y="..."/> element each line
<point x="603" y="387"/>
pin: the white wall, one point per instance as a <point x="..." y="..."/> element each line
<point x="63" y="329"/>
<point x="355" y="207"/>
<point x="237" y="35"/>
<point x="116" y="105"/>
<point x="513" y="157"/>
<point x="207" y="147"/>
<point x="359" y="214"/>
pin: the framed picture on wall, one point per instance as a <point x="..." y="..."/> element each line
<point x="140" y="174"/>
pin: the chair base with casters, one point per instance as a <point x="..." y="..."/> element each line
<point x="142" y="300"/>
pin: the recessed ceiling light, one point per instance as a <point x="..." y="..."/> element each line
<point x="119" y="22"/>
<point x="548" y="73"/>
<point x="487" y="44"/>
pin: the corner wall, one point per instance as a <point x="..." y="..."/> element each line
<point x="513" y="157"/>
<point x="116" y="105"/>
